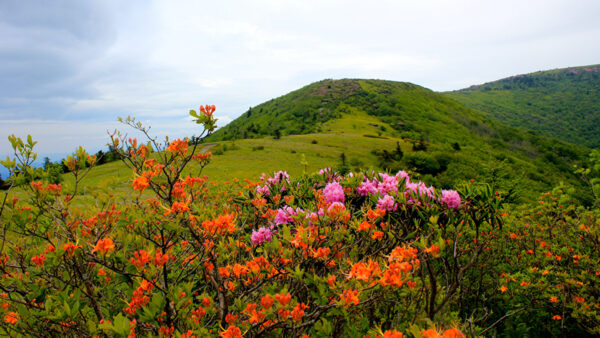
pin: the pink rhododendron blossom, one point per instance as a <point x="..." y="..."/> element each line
<point x="451" y="198"/>
<point x="263" y="191"/>
<point x="334" y="193"/>
<point x="279" y="177"/>
<point x="388" y="183"/>
<point x="367" y="188"/>
<point x="285" y="215"/>
<point x="420" y="188"/>
<point x="387" y="203"/>
<point x="403" y="175"/>
<point x="262" y="235"/>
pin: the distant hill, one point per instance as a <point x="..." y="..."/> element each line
<point x="440" y="138"/>
<point x="561" y="103"/>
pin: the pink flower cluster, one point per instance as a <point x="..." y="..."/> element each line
<point x="387" y="203"/>
<point x="285" y="215"/>
<point x="420" y="189"/>
<point x="451" y="198"/>
<point x="263" y="191"/>
<point x="334" y="193"/>
<point x="278" y="177"/>
<point x="262" y="235"/>
<point x="384" y="186"/>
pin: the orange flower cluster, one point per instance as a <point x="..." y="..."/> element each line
<point x="254" y="315"/>
<point x="364" y="271"/>
<point x="203" y="157"/>
<point x="392" y="334"/>
<point x="104" y="245"/>
<point x="11" y="318"/>
<point x="38" y="260"/>
<point x="223" y="224"/>
<point x="232" y="332"/>
<point x="55" y="189"/>
<point x="401" y="260"/>
<point x="350" y="297"/>
<point x="140" y="258"/>
<point x="283" y="299"/>
<point x="178" y="208"/>
<point x="140" y="297"/>
<point x="70" y="248"/>
<point x="208" y="110"/>
<point x="298" y="312"/>
<point x="450" y="333"/>
<point x="178" y="146"/>
<point x="321" y="253"/>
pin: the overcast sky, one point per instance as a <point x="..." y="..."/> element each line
<point x="68" y="68"/>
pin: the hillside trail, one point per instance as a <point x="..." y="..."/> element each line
<point x="207" y="147"/>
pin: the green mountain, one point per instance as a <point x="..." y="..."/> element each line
<point x="561" y="103"/>
<point x="438" y="137"/>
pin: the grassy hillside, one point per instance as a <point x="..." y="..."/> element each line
<point x="440" y="138"/>
<point x="562" y="103"/>
<point x="354" y="124"/>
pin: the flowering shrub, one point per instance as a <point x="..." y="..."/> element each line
<point x="324" y="255"/>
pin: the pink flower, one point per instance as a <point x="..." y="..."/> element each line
<point x="367" y="188"/>
<point x="387" y="203"/>
<point x="263" y="191"/>
<point x="334" y="193"/>
<point x="420" y="188"/>
<point x="403" y="175"/>
<point x="285" y="215"/>
<point x="262" y="235"/>
<point x="388" y="183"/>
<point x="279" y="177"/>
<point x="451" y="198"/>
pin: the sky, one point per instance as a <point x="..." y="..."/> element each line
<point x="68" y="69"/>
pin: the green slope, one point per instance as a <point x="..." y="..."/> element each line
<point x="365" y="122"/>
<point x="461" y="143"/>
<point x="561" y="103"/>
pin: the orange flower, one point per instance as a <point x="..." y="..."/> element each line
<point x="178" y="146"/>
<point x="232" y="332"/>
<point x="160" y="259"/>
<point x="104" y="245"/>
<point x="377" y="235"/>
<point x="230" y="318"/>
<point x="38" y="260"/>
<point x="331" y="281"/>
<point x="11" y="318"/>
<point x="70" y="248"/>
<point x="283" y="299"/>
<point x="321" y="253"/>
<point x="266" y="301"/>
<point x="430" y="333"/>
<point x="140" y="258"/>
<point x="453" y="333"/>
<point x="298" y="311"/>
<point x="140" y="183"/>
<point x="557" y="317"/>
<point x="554" y="299"/>
<point x="177" y="208"/>
<point x="434" y="250"/>
<point x="365" y="226"/>
<point x="503" y="289"/>
<point x="392" y="334"/>
<point x="350" y="297"/>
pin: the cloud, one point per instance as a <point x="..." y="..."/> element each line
<point x="69" y="69"/>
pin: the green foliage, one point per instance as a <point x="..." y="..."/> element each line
<point x="562" y="103"/>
